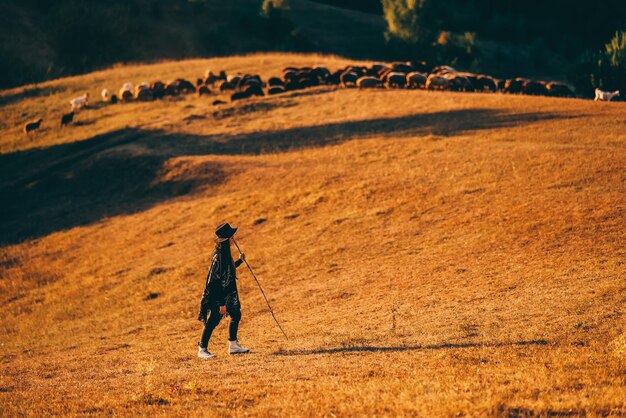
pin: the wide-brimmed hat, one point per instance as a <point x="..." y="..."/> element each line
<point x="224" y="232"/>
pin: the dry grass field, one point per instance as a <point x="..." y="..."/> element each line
<point x="428" y="254"/>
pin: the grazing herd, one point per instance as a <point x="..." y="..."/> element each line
<point x="396" y="75"/>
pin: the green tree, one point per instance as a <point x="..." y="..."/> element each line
<point x="611" y="72"/>
<point x="408" y="20"/>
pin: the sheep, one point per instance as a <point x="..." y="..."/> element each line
<point x="515" y="86"/>
<point x="348" y="79"/>
<point x="395" y="80"/>
<point x="557" y="89"/>
<point x="535" y="88"/>
<point x="32" y="125"/>
<point x="459" y="83"/>
<point x="143" y="92"/>
<point x="203" y="89"/>
<point x="239" y="96"/>
<point x="67" y="118"/>
<point x="368" y="82"/>
<point x="185" y="86"/>
<point x="180" y="85"/>
<point x="322" y="73"/>
<point x="225" y="85"/>
<point x="254" y="90"/>
<point x="605" y="96"/>
<point x="275" y="90"/>
<point x="485" y="83"/>
<point x="416" y="80"/>
<point x="275" y="81"/>
<point x="126" y="92"/>
<point x="158" y="89"/>
<point x="234" y="79"/>
<point x="114" y="99"/>
<point x="436" y="82"/>
<point x="144" y="95"/>
<point x="78" y="103"/>
<point x="106" y="95"/>
<point x="250" y="81"/>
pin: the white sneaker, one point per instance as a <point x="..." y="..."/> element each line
<point x="204" y="354"/>
<point x="235" y="348"/>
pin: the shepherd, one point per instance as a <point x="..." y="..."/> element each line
<point x="220" y="293"/>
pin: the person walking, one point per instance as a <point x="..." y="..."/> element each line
<point x="220" y="295"/>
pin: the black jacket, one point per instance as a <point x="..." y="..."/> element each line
<point x="221" y="286"/>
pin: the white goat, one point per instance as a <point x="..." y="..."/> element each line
<point x="80" y="102"/>
<point x="605" y="96"/>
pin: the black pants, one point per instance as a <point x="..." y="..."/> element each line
<point x="214" y="319"/>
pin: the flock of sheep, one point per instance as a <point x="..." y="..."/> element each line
<point x="397" y="75"/>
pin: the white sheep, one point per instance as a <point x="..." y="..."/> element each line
<point x="78" y="103"/>
<point x="126" y="92"/>
<point x="605" y="96"/>
<point x="106" y="95"/>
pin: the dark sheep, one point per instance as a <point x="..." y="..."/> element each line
<point x="185" y="86"/>
<point x="557" y="89"/>
<point x="535" y="88"/>
<point x="203" y="89"/>
<point x="127" y="96"/>
<point x="240" y="95"/>
<point x="32" y="125"/>
<point x="292" y="85"/>
<point x="368" y="82"/>
<point x="348" y="79"/>
<point x="275" y="90"/>
<point x="210" y="78"/>
<point x="67" y="118"/>
<point x="275" y="81"/>
<point x="114" y="99"/>
<point x="416" y="80"/>
<point x="395" y="80"/>
<point x="254" y="90"/>
<point x="514" y="86"/>
<point x="460" y="83"/>
<point x="225" y="86"/>
<point x="143" y="92"/>
<point x="485" y="83"/>
<point x="158" y="89"/>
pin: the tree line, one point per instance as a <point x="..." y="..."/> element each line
<point x="574" y="40"/>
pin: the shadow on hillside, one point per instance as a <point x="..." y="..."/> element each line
<point x="447" y="123"/>
<point x="399" y="348"/>
<point x="63" y="186"/>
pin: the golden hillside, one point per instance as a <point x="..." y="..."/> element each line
<point x="428" y="253"/>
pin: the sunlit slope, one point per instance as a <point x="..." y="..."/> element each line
<point x="429" y="254"/>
